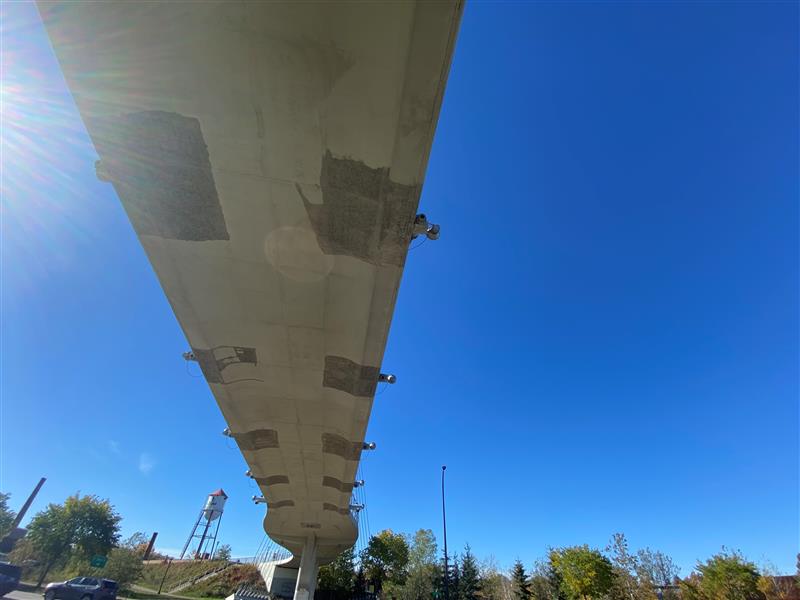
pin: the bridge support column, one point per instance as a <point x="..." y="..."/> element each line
<point x="307" y="577"/>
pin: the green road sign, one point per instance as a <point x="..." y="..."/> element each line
<point x="99" y="561"/>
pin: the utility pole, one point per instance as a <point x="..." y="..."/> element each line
<point x="161" y="585"/>
<point x="444" y="524"/>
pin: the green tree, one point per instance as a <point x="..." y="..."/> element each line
<point x="626" y="583"/>
<point x="338" y="578"/>
<point x="422" y="568"/>
<point x="125" y="561"/>
<point x="470" y="583"/>
<point x="775" y="587"/>
<point x="585" y="573"/>
<point x="80" y="528"/>
<point x="724" y="576"/>
<point x="494" y="585"/>
<point x="385" y="559"/>
<point x="137" y="541"/>
<point x="545" y="583"/>
<point x="7" y="515"/>
<point x="223" y="552"/>
<point x="360" y="583"/>
<point x="520" y="584"/>
<point x="654" y="568"/>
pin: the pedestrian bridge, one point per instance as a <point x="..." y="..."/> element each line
<point x="270" y="156"/>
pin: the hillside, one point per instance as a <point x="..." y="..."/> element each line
<point x="226" y="582"/>
<point x="177" y="573"/>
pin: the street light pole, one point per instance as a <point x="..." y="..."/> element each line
<point x="444" y="523"/>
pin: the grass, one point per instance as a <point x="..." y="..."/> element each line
<point x="225" y="583"/>
<point x="144" y="595"/>
<point x="177" y="573"/>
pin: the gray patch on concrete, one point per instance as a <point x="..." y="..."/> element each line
<point x="159" y="165"/>
<point x="340" y="446"/>
<point x="214" y="360"/>
<point x="337" y="484"/>
<point x="343" y="374"/>
<point x="364" y="213"/>
<point x="333" y="507"/>
<point x="272" y="480"/>
<point x="280" y="504"/>
<point x="258" y="439"/>
<point x="305" y="525"/>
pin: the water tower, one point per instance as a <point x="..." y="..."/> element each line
<point x="211" y="511"/>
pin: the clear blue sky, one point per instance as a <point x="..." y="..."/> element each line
<point x="604" y="339"/>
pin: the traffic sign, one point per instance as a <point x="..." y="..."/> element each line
<point x="98" y="561"/>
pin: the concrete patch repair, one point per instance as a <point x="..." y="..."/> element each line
<point x="272" y="480"/>
<point x="340" y="446"/>
<point x="337" y="484"/>
<point x="347" y="376"/>
<point x="213" y="361"/>
<point x="158" y="163"/>
<point x="364" y="213"/>
<point x="334" y="508"/>
<point x="258" y="439"/>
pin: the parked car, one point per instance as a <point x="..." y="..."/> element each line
<point x="9" y="577"/>
<point x="82" y="588"/>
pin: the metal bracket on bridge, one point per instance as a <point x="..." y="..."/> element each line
<point x="421" y="226"/>
<point x="227" y="432"/>
<point x="356" y="507"/>
<point x="259" y="500"/>
<point x="387" y="378"/>
<point x="249" y="474"/>
<point x="358" y="483"/>
<point x="189" y="356"/>
<point x="369" y="446"/>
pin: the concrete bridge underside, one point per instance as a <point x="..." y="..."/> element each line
<point x="270" y="157"/>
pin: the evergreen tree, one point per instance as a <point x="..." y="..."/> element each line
<point x="470" y="583"/>
<point x="519" y="582"/>
<point x="453" y="577"/>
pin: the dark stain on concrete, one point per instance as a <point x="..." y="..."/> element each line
<point x="258" y="439"/>
<point x="272" y="480"/>
<point x="280" y="504"/>
<point x="343" y="374"/>
<point x="340" y="446"/>
<point x="213" y="361"/>
<point x="337" y="484"/>
<point x="159" y="165"/>
<point x="364" y="213"/>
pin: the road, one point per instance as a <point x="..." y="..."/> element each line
<point x="20" y="595"/>
<point x="24" y="595"/>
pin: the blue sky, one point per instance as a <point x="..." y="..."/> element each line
<point x="605" y="338"/>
